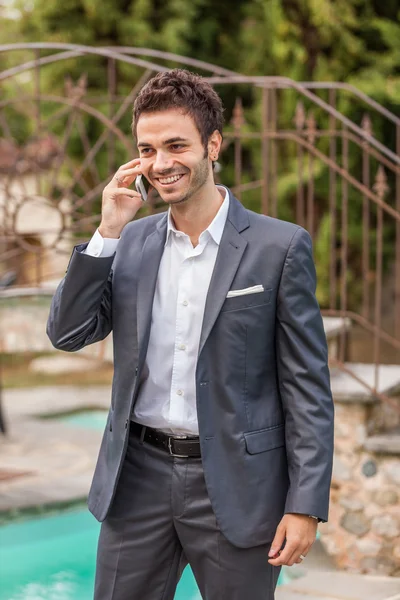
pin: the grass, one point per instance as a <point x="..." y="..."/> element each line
<point x="16" y="373"/>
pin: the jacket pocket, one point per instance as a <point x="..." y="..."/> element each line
<point x="246" y="300"/>
<point x="265" y="439"/>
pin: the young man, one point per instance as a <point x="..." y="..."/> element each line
<point x="218" y="444"/>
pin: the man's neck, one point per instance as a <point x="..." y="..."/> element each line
<point x="195" y="216"/>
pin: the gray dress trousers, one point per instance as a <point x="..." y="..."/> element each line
<point x="160" y="520"/>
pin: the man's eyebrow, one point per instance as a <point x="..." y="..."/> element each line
<point x="174" y="140"/>
<point x="165" y="143"/>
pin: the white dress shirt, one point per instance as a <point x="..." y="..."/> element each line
<point x="167" y="397"/>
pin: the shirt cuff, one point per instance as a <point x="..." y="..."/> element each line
<point x="101" y="247"/>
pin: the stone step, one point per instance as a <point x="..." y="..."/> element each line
<point x="63" y="362"/>
<point x="328" y="585"/>
<point x="335" y="325"/>
<point x="385" y="443"/>
<point x="347" y="389"/>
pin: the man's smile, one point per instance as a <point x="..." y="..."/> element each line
<point x="169" y="181"/>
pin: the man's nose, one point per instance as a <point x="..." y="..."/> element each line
<point x="163" y="162"/>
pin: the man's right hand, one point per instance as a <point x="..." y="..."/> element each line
<point x="120" y="204"/>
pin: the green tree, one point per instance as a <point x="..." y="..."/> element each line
<point x="354" y="41"/>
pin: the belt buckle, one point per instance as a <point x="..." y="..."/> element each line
<point x="183" y="437"/>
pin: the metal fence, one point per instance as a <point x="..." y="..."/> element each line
<point x="290" y="150"/>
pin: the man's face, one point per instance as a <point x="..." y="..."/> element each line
<point x="172" y="154"/>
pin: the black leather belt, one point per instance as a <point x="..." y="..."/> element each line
<point x="179" y="446"/>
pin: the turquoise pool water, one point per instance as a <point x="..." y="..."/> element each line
<point x="89" y="419"/>
<point x="53" y="558"/>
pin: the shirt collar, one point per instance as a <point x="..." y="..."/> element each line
<point x="216" y="227"/>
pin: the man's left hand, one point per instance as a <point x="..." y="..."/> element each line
<point x="299" y="531"/>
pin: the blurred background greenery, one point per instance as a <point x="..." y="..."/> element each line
<point x="357" y="41"/>
<point x="353" y="41"/>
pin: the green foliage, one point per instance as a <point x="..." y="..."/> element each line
<point x="346" y="40"/>
<point x="354" y="41"/>
<point x="322" y="257"/>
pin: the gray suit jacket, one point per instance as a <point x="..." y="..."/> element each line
<point x="264" y="403"/>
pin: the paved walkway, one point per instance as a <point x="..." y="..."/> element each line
<point x="328" y="585"/>
<point x="59" y="459"/>
<point x="46" y="462"/>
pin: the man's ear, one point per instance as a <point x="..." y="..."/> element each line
<point x="214" y="145"/>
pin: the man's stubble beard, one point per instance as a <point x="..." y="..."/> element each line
<point x="200" y="176"/>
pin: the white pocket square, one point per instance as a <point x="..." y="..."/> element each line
<point x="256" y="289"/>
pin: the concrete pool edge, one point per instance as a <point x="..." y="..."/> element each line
<point x="59" y="460"/>
<point x="339" y="585"/>
<point x="30" y="512"/>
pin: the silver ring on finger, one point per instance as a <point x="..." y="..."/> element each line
<point x="302" y="557"/>
<point x="118" y="179"/>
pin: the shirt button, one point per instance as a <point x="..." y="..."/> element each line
<point x="185" y="303"/>
<point x="180" y="392"/>
<point x="182" y="347"/>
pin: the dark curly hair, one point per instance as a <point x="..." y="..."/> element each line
<point x="182" y="89"/>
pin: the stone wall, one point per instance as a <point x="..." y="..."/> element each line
<point x="363" y="532"/>
<point x="23" y="328"/>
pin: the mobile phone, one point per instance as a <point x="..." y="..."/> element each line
<point x="142" y="186"/>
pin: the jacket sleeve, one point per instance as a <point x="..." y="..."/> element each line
<point x="304" y="382"/>
<point x="81" y="311"/>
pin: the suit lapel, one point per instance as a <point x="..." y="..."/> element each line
<point x="150" y="261"/>
<point x="229" y="255"/>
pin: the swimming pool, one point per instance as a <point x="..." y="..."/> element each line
<point x="53" y="558"/>
<point x="87" y="419"/>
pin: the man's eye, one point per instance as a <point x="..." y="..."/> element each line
<point x="177" y="146"/>
<point x="145" y="150"/>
